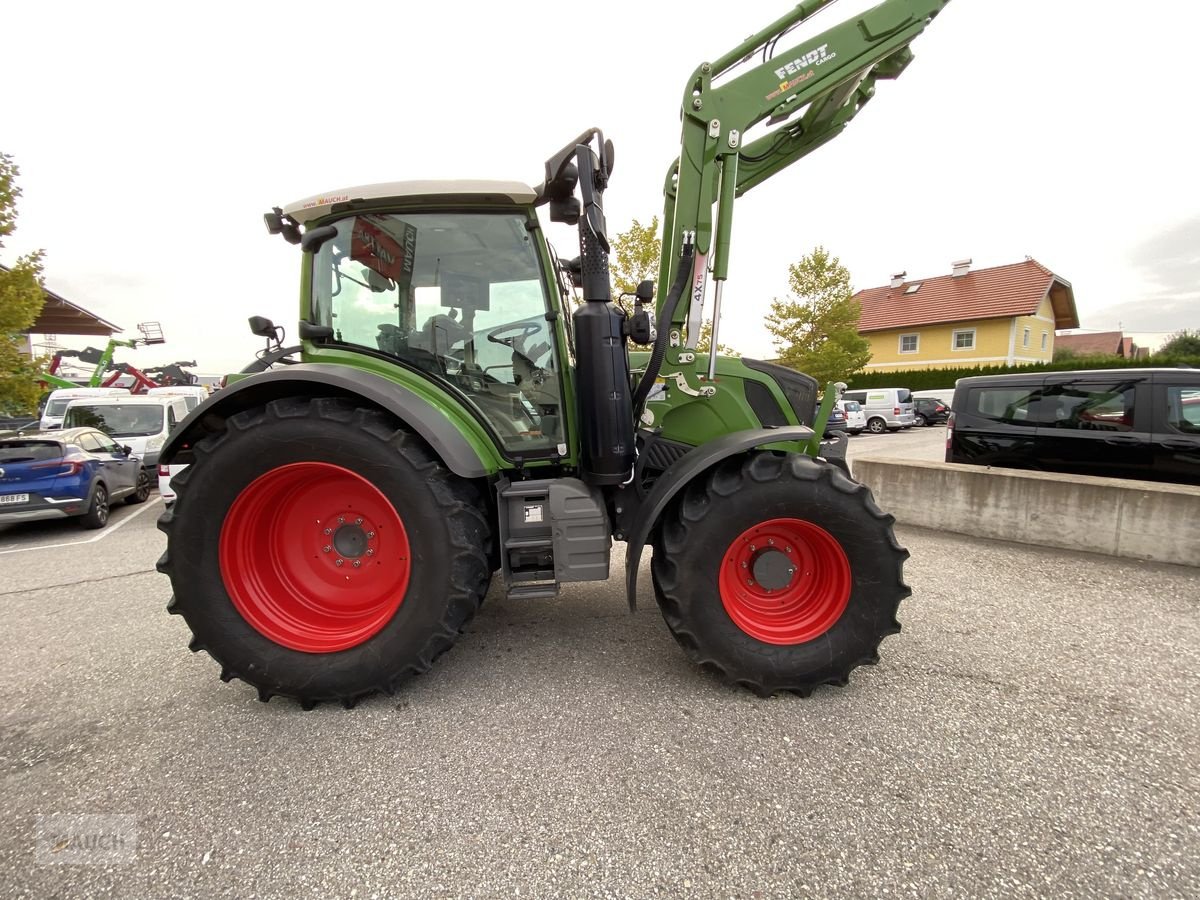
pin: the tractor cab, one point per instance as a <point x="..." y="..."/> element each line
<point x="449" y="281"/>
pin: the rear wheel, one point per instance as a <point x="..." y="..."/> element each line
<point x="142" y="491"/>
<point x="97" y="513"/>
<point x="778" y="573"/>
<point x="876" y="425"/>
<point x="322" y="552"/>
<point x="919" y="420"/>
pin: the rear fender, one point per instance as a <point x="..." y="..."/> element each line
<point x="694" y="463"/>
<point x="320" y="380"/>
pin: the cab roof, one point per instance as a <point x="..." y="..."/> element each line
<point x="320" y="204"/>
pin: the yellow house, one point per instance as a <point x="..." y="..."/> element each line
<point x="1002" y="315"/>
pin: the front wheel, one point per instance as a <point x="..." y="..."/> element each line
<point x="778" y="573"/>
<point x="142" y="491"/>
<point x="322" y="552"/>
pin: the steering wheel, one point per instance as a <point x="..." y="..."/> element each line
<point x="525" y="329"/>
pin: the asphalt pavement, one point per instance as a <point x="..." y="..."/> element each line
<point x="1031" y="733"/>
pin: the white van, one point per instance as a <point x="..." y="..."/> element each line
<point x="887" y="409"/>
<point x="193" y="394"/>
<point x="56" y="403"/>
<point x="139" y="422"/>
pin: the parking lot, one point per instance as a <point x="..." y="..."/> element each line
<point x="1031" y="732"/>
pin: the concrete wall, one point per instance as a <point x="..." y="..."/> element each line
<point x="1138" y="519"/>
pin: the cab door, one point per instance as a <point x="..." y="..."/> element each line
<point x="1176" y="438"/>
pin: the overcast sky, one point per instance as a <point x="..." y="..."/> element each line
<point x="151" y="138"/>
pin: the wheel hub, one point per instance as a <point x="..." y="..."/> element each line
<point x="350" y="540"/>
<point x="772" y="569"/>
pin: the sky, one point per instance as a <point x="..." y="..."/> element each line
<point x="152" y="137"/>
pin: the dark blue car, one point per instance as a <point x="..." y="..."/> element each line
<point x="73" y="473"/>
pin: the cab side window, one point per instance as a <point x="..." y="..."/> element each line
<point x="1183" y="409"/>
<point x="1012" y="406"/>
<point x="1095" y="407"/>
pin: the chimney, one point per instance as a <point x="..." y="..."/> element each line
<point x="960" y="267"/>
<point x="898" y="279"/>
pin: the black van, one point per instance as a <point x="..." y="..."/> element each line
<point x="1117" y="423"/>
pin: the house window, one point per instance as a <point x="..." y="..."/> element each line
<point x="1045" y="340"/>
<point x="964" y="339"/>
<point x="909" y="343"/>
<point x="1025" y="338"/>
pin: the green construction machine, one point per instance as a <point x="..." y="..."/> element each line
<point x="455" y="411"/>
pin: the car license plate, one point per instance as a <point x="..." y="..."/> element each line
<point x="14" y="498"/>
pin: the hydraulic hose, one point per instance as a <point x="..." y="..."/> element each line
<point x="682" y="277"/>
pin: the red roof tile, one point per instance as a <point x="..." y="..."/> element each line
<point x="1106" y="343"/>
<point x="998" y="292"/>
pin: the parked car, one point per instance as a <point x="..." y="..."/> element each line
<point x="58" y="399"/>
<point x="193" y="394"/>
<point x="141" y="422"/>
<point x="836" y="421"/>
<point x="165" y="474"/>
<point x="886" y="409"/>
<point x="856" y="419"/>
<point x="1120" y="423"/>
<point x="67" y="473"/>
<point x="928" y="411"/>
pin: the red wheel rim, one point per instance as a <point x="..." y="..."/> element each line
<point x="785" y="581"/>
<point x="314" y="557"/>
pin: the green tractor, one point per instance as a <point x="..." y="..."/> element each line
<point x="450" y="413"/>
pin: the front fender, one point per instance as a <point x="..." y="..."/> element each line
<point x="321" y="380"/>
<point x="683" y="470"/>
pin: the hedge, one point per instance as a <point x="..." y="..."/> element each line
<point x="934" y="379"/>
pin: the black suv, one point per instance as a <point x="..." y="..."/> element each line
<point x="929" y="411"/>
<point x="1118" y="423"/>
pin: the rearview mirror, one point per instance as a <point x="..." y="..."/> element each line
<point x="262" y="326"/>
<point x="127" y="450"/>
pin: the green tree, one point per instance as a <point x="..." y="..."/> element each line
<point x="634" y="258"/>
<point x="815" y="329"/>
<point x="1181" y="343"/>
<point x="21" y="299"/>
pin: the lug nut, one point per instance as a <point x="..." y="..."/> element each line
<point x="338" y="562"/>
<point x="358" y="521"/>
<point x="357" y="563"/>
<point x="771" y="541"/>
<point x="326" y="549"/>
<point x="341" y="520"/>
<point x="370" y="534"/>
<point x="744" y="564"/>
<point x="329" y="531"/>
<point x="370" y="551"/>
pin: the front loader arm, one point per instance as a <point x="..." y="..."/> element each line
<point x="805" y="95"/>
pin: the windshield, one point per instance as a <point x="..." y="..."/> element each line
<point x="57" y="407"/>
<point x="458" y="296"/>
<point x="117" y="420"/>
